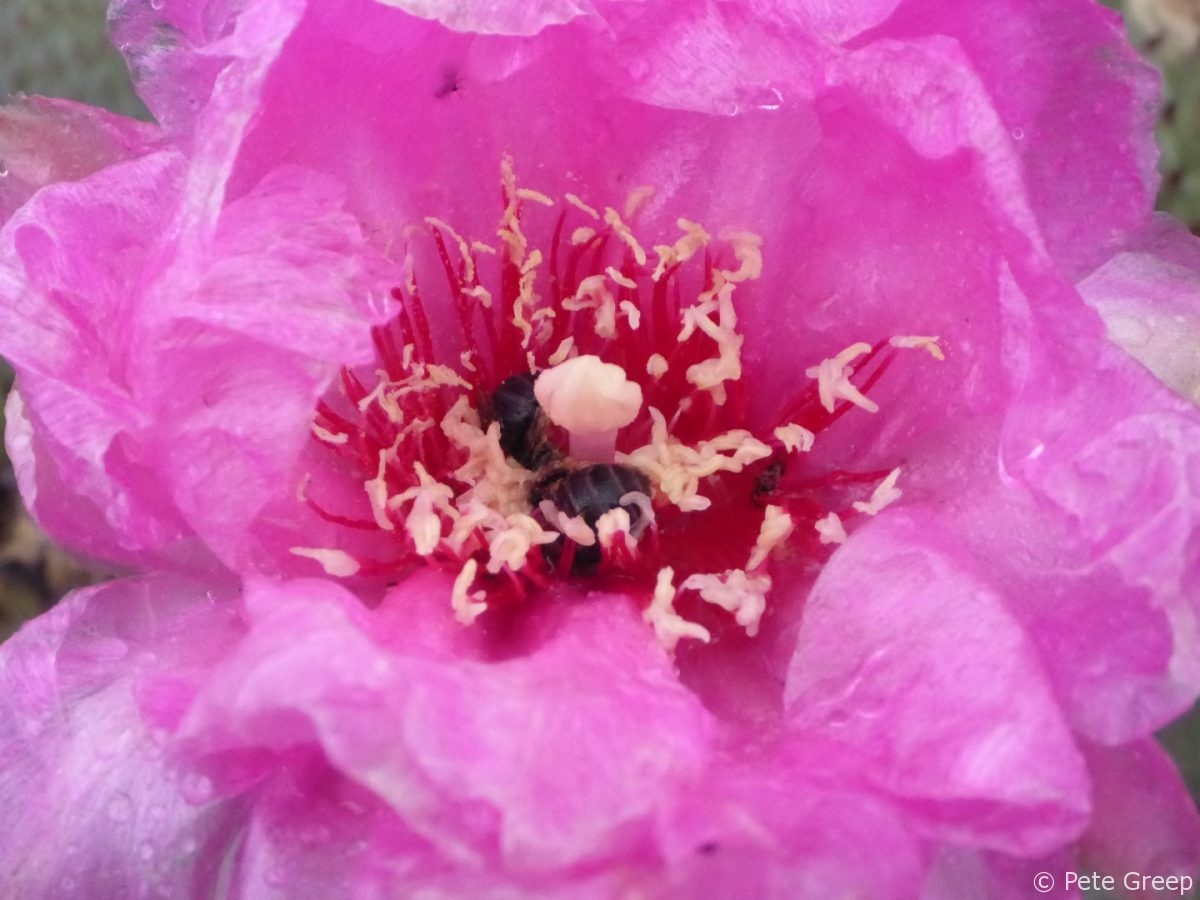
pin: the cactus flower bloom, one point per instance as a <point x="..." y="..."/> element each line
<point x="590" y="449"/>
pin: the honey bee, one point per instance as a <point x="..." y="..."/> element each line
<point x="588" y="490"/>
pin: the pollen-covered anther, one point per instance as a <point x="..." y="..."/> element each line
<point x="711" y="374"/>
<point x="830" y="529"/>
<point x="671" y="255"/>
<point x="734" y="591"/>
<point x="614" y="523"/>
<point x="747" y="250"/>
<point x="572" y="527"/>
<point x="495" y="480"/>
<point x="677" y="469"/>
<point x="613" y="219"/>
<point x="795" y="437"/>
<point x="885" y="494"/>
<point x="833" y="379"/>
<point x="593" y="294"/>
<point x="328" y="437"/>
<point x="928" y="343"/>
<point x="510" y="546"/>
<point x="467" y="605"/>
<point x="670" y="627"/>
<point x="336" y="563"/>
<point x="591" y="399"/>
<point x="777" y="525"/>
<point x="429" y="500"/>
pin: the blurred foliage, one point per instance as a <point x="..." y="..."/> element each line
<point x="61" y="48"/>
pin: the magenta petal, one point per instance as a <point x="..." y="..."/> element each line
<point x="781" y="824"/>
<point x="88" y="801"/>
<point x="908" y="656"/>
<point x="1144" y="819"/>
<point x="544" y="760"/>
<point x="1043" y="91"/>
<point x="137" y="420"/>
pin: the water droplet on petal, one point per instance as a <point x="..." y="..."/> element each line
<point x="196" y="788"/>
<point x="1018" y="134"/>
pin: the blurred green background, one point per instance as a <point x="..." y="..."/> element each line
<point x="59" y="48"/>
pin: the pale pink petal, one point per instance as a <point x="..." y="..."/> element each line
<point x="43" y="141"/>
<point x="88" y="800"/>
<point x="1147" y="296"/>
<point x="510" y="17"/>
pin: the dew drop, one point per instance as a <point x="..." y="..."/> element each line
<point x="1018" y="134"/>
<point x="196" y="788"/>
<point x="3" y="169"/>
<point x="156" y="4"/>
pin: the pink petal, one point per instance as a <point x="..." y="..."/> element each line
<point x="906" y="655"/>
<point x="783" y="823"/>
<point x="43" y="141"/>
<point x="116" y="348"/>
<point x="89" y="801"/>
<point x="543" y="760"/>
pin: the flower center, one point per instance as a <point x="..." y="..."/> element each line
<point x="589" y="426"/>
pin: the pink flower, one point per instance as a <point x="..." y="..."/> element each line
<point x="883" y="622"/>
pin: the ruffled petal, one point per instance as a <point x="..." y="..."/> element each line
<point x="43" y="141"/>
<point x="549" y="759"/>
<point x="907" y="656"/>
<point x="115" y="337"/>
<point x="782" y="822"/>
<point x="1087" y="167"/>
<point x="88" y="799"/>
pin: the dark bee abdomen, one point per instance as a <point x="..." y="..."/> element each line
<point x="590" y="492"/>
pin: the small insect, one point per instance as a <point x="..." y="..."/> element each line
<point x="588" y="490"/>
<point x="767" y="482"/>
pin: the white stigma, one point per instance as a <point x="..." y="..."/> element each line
<point x="591" y="399"/>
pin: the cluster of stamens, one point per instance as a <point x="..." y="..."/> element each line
<point x="602" y="488"/>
